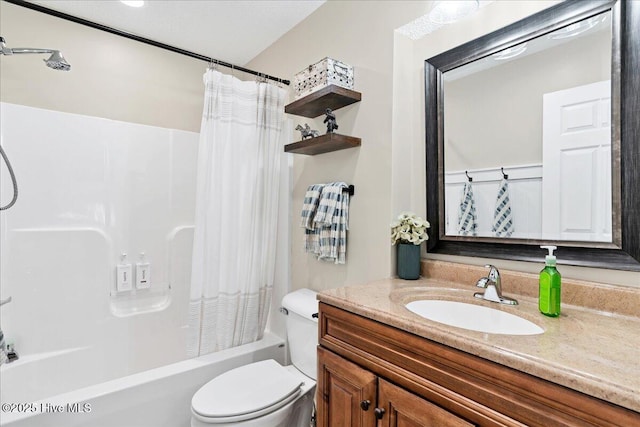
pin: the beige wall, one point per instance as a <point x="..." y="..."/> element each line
<point x="389" y="169"/>
<point x="111" y="77"/>
<point x="359" y="33"/>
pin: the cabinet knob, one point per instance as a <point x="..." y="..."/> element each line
<point x="379" y="413"/>
<point x="365" y="405"/>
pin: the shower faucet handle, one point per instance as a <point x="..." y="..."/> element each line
<point x="5" y="301"/>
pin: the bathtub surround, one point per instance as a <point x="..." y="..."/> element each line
<point x="234" y="250"/>
<point x="91" y="189"/>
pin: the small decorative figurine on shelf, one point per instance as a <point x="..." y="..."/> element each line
<point x="307" y="132"/>
<point x="330" y="120"/>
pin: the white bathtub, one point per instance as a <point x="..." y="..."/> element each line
<point x="155" y="398"/>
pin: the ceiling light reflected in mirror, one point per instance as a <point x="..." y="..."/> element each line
<point x="449" y="11"/>
<point x="512" y="52"/>
<point x="577" y="28"/>
<point x="133" y="3"/>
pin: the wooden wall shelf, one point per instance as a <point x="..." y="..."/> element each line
<point x="315" y="104"/>
<point x="322" y="144"/>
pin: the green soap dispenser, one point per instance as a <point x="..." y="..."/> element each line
<point x="549" y="300"/>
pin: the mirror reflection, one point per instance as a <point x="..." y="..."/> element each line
<point x="527" y="139"/>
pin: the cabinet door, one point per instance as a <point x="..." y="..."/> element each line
<point x="346" y="393"/>
<point x="405" y="409"/>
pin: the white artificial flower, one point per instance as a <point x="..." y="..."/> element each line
<point x="409" y="228"/>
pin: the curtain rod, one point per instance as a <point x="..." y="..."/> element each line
<point x="117" y="32"/>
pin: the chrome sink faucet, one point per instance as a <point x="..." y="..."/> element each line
<point x="493" y="288"/>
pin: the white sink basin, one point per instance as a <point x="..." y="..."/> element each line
<point x="473" y="317"/>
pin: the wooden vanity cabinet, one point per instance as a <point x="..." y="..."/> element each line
<point x="346" y="392"/>
<point x="352" y="396"/>
<point x="371" y="374"/>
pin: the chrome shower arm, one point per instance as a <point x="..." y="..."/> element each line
<point x="18" y="50"/>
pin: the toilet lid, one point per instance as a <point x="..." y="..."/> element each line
<point x="246" y="392"/>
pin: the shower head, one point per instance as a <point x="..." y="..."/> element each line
<point x="55" y="61"/>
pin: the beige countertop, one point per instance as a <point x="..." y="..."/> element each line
<point x="591" y="351"/>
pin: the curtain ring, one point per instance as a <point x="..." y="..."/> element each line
<point x="261" y="78"/>
<point x="213" y="64"/>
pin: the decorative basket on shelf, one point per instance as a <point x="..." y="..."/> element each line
<point x="326" y="72"/>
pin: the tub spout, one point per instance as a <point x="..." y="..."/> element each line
<point x="8" y="352"/>
<point x="12" y="354"/>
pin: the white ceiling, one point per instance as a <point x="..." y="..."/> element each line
<point x="228" y="30"/>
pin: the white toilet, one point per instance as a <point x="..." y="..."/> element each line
<point x="267" y="394"/>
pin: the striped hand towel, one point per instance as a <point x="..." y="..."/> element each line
<point x="502" y="216"/>
<point x="332" y="219"/>
<point x="467" y="220"/>
<point x="309" y="208"/>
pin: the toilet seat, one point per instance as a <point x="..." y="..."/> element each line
<point x="246" y="392"/>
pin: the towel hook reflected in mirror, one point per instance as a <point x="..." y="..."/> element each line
<point x="504" y="175"/>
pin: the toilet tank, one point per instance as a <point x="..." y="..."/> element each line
<point x="302" y="330"/>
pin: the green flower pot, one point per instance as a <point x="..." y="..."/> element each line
<point x="408" y="261"/>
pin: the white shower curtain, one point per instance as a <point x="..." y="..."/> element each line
<point x="236" y="212"/>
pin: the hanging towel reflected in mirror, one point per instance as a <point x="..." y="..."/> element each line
<point x="502" y="215"/>
<point x="467" y="219"/>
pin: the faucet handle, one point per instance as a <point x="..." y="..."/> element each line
<point x="5" y="301"/>
<point x="494" y="273"/>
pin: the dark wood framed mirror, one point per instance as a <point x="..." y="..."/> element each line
<point x="620" y="249"/>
